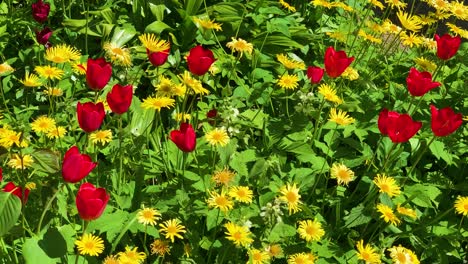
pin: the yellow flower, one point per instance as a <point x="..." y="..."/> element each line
<point x="5" y="69"/>
<point x="172" y="228"/>
<point x="90" y="245"/>
<point x="387" y="214"/>
<point x="341" y="173"/>
<point x="194" y="84"/>
<point x="30" y="186"/>
<point x="389" y="27"/>
<point x="457" y="30"/>
<point x="368" y="37"/>
<point x="31" y="80"/>
<point x="427" y="20"/>
<point x="290" y="194"/>
<point x="131" y="256"/>
<point x="9" y="137"/>
<point x="160" y="247"/>
<point x="20" y="163"/>
<point x="343" y="6"/>
<point x="240" y="45"/>
<point x="367" y="253"/>
<point x="274" y="250"/>
<point x="310" y="230"/>
<point x="429" y="43"/>
<point x="411" y="40"/>
<point x="323" y="3"/>
<point x="223" y="177"/>
<point x="288" y="81"/>
<point x="101" y="136"/>
<point x="207" y="23"/>
<point x="220" y="201"/>
<point x="387" y="185"/>
<point x="329" y="94"/>
<point x="350" y="73"/>
<point x="62" y="53"/>
<point x="157" y="103"/>
<point x="377" y="3"/>
<point x="396" y="4"/>
<point x="165" y="87"/>
<point x="43" y="124"/>
<point x="154" y="44"/>
<point x="337" y="35"/>
<point x="217" y="136"/>
<point x="239" y="235"/>
<point x="241" y="193"/>
<point x="258" y="257"/>
<point x="53" y="91"/>
<point x="287" y="6"/>
<point x="290" y="63"/>
<point x="118" y="55"/>
<point x="111" y="260"/>
<point x="461" y="205"/>
<point x="340" y="117"/>
<point x="56" y="132"/>
<point x="182" y="117"/>
<point x="148" y="216"/>
<point x="402" y="255"/>
<point x="439" y="5"/>
<point x="80" y="67"/>
<point x="301" y="258"/>
<point x="49" y="72"/>
<point x="458" y="10"/>
<point x="406" y="211"/>
<point x="425" y="64"/>
<point x="409" y="22"/>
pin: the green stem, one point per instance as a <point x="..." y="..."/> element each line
<point x="122" y="233"/>
<point x="317" y="121"/>
<point x="49" y="203"/>
<point x="418" y="159"/>
<point x="120" y="182"/>
<point x="388" y="156"/>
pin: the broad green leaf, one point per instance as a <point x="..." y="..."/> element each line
<point x="10" y="210"/>
<point x="358" y="216"/>
<point x="122" y="35"/>
<point x="438" y="150"/>
<point x="214" y="217"/>
<point x="46" y="161"/>
<point x="158" y="27"/>
<point x="192" y="6"/>
<point x="34" y="254"/>
<point x="425" y="195"/>
<point x="142" y="119"/>
<point x="281" y="231"/>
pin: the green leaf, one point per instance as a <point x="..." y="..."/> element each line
<point x="357" y="216"/>
<point x="423" y="194"/>
<point x="34" y="254"/>
<point x="438" y="150"/>
<point x="122" y="35"/>
<point x="157" y="27"/>
<point x="10" y="210"/>
<point x="142" y="119"/>
<point x="214" y="218"/>
<point x="280" y="231"/>
<point x="240" y="159"/>
<point x="46" y="161"/>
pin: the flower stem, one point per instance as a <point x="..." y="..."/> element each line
<point x="418" y="159"/>
<point x="49" y="203"/>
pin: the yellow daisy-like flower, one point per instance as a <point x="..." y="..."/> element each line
<point x="165" y="87"/>
<point x="223" y="177"/>
<point x="194" y="84"/>
<point x="220" y="201"/>
<point x="406" y="211"/>
<point x="387" y="214"/>
<point x="56" y="132"/>
<point x="239" y="235"/>
<point x="377" y="3"/>
<point x="341" y="173"/>
<point x="302" y="258"/>
<point x="240" y="46"/>
<point x="425" y="64"/>
<point x="459" y="10"/>
<point x="49" y="72"/>
<point x="290" y="195"/>
<point x="258" y="257"/>
<point x="118" y="55"/>
<point x="310" y="230"/>
<point x="343" y="6"/>
<point x="439" y="5"/>
<point x="5" y="69"/>
<point x="154" y="44"/>
<point x="207" y="23"/>
<point x="101" y="136"/>
<point x="111" y="260"/>
<point x="340" y="117"/>
<point x="387" y="185"/>
<point x="368" y="37"/>
<point x="182" y="117"/>
<point x="290" y="63"/>
<point x="402" y="255"/>
<point x="9" y="137"/>
<point x="90" y="245"/>
<point x="160" y="247"/>
<point x="30" y="186"/>
<point x="62" y="53"/>
<point x="287" y="6"/>
<point x="241" y="193"/>
<point x="157" y="103"/>
<point x="20" y="163"/>
<point x="441" y="15"/>
<point x="427" y="20"/>
<point x="80" y="67"/>
<point x="411" y="40"/>
<point x="323" y="3"/>
<point x="339" y="36"/>
<point x="430" y="44"/>
<point x="217" y="136"/>
<point x="350" y="73"/>
<point x="457" y="30"/>
<point x="43" y="124"/>
<point x="409" y="22"/>
<point x="274" y="250"/>
<point x="53" y="91"/>
<point x="367" y="253"/>
<point x="461" y="205"/>
<point x="31" y="80"/>
<point x="396" y="4"/>
<point x="288" y="81"/>
<point x="172" y="228"/>
<point x="329" y="94"/>
<point x="131" y="256"/>
<point x="148" y="216"/>
<point x="389" y="27"/>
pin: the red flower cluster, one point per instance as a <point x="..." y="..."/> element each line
<point x="98" y="73"/>
<point x="43" y="36"/>
<point x="40" y="11"/>
<point x="199" y="60"/>
<point x="315" y="74"/>
<point x="185" y="138"/>
<point x="447" y="46"/>
<point x="444" y="121"/>
<point x="90" y="116"/>
<point x="91" y="201"/>
<point x="336" y="62"/>
<point x="399" y="127"/>
<point x="419" y="83"/>
<point x="76" y="166"/>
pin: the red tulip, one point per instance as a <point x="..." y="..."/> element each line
<point x="91" y="201"/>
<point x="90" y="115"/>
<point x="157" y="58"/>
<point x="336" y="62"/>
<point x="43" y="36"/>
<point x="98" y="73"/>
<point x="120" y="98"/>
<point x="315" y="74"/>
<point x="76" y="166"/>
<point x="18" y="191"/>
<point x="212" y="113"/>
<point x="1" y="174"/>
<point x="399" y="127"/>
<point x="185" y="138"/>
<point x="40" y="11"/>
<point x="199" y="60"/>
<point x="444" y="121"/>
<point x="447" y="46"/>
<point x="419" y="83"/>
